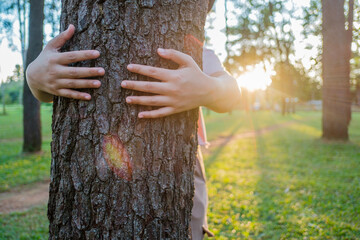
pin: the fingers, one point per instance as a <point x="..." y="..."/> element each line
<point x="77" y="56"/>
<point x="149" y="100"/>
<point x="68" y="93"/>
<point x="147" y="87"/>
<point x="161" y="112"/>
<point x="78" y="83"/>
<point x="62" y="38"/>
<point x="153" y="72"/>
<point x="180" y="58"/>
<point x="79" y="72"/>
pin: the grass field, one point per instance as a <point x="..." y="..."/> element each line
<point x="282" y="184"/>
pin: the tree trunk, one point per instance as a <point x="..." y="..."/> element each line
<point x="31" y="112"/>
<point x="336" y="70"/>
<point x="113" y="175"/>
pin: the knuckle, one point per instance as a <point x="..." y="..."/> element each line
<point x="152" y="101"/>
<point x="152" y="72"/>
<point x="52" y="60"/>
<point x="73" y="73"/>
<point x="52" y="71"/>
<point x="147" y="87"/>
<point x="70" y="84"/>
<point x="71" y="57"/>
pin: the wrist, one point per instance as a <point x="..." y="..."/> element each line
<point x="214" y="90"/>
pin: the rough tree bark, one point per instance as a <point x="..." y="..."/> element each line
<point x="114" y="176"/>
<point x="31" y="110"/>
<point x="337" y="38"/>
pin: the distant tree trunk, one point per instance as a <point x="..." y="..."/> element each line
<point x="336" y="69"/>
<point x="3" y="98"/>
<point x="113" y="175"/>
<point x="31" y="112"/>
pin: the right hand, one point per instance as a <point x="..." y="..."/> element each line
<point x="49" y="74"/>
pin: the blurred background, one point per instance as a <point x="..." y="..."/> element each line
<point x="285" y="164"/>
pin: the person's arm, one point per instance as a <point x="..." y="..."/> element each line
<point x="228" y="94"/>
<point x="49" y="74"/>
<point x="182" y="89"/>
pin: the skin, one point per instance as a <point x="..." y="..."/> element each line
<point x="177" y="90"/>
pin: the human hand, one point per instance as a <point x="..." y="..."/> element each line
<point x="49" y="74"/>
<point x="178" y="90"/>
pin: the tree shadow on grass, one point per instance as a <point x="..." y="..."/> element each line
<point x="215" y="153"/>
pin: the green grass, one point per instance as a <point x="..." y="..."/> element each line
<point x="284" y="184"/>
<point x="32" y="224"/>
<point x="11" y="125"/>
<point x="15" y="168"/>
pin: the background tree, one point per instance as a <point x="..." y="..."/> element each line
<point x="337" y="38"/>
<point x="114" y="176"/>
<point x="17" y="12"/>
<point x="31" y="110"/>
<point x="347" y="18"/>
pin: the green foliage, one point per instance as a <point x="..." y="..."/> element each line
<point x="291" y="81"/>
<point x="12" y="88"/>
<point x="262" y="32"/>
<point x="13" y="12"/>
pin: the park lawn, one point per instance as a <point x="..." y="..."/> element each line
<point x="284" y="184"/>
<point x="32" y="224"/>
<point x="16" y="168"/>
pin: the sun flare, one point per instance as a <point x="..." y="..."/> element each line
<point x="255" y="79"/>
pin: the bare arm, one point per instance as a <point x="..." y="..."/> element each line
<point x="227" y="95"/>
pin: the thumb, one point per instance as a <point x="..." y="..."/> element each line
<point x="62" y="38"/>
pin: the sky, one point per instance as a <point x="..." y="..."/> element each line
<point x="217" y="41"/>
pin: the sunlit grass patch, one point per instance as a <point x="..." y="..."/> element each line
<point x="18" y="169"/>
<point x="286" y="184"/>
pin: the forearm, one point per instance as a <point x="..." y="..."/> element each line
<point x="226" y="94"/>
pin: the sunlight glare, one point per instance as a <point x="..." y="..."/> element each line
<point x="256" y="79"/>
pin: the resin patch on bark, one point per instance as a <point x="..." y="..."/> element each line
<point x="117" y="157"/>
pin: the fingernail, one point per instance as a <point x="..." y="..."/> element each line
<point x="87" y="97"/>
<point x="96" y="53"/>
<point x="96" y="83"/>
<point x="161" y="50"/>
<point x="101" y="71"/>
<point x="130" y="66"/>
<point x="128" y="100"/>
<point x="141" y="115"/>
<point x="123" y="84"/>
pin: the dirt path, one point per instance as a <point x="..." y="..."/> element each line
<point x="25" y="197"/>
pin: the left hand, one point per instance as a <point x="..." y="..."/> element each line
<point x="178" y="90"/>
